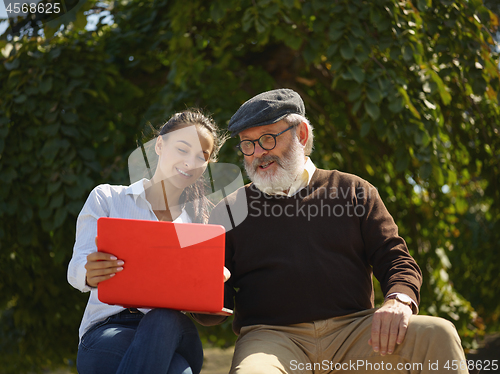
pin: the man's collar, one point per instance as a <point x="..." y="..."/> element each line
<point x="302" y="180"/>
<point x="309" y="168"/>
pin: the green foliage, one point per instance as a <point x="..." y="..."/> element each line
<point x="401" y="93"/>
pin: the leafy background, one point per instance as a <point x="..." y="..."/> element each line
<point x="401" y="93"/>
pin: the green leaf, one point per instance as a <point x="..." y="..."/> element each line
<point x="53" y="187"/>
<point x="372" y="110"/>
<point x="334" y="34"/>
<point x="247" y="19"/>
<point x="76" y="72"/>
<point x="50" y="149"/>
<point x="422" y="138"/>
<point x="260" y="25"/>
<point x="358" y="32"/>
<point x="270" y="11"/>
<point x="407" y="53"/>
<point x="74" y="192"/>
<point x="55" y="53"/>
<point x="332" y="49"/>
<point x="51" y="130"/>
<point x="442" y="89"/>
<point x="403" y="162"/>
<point x="8" y="175"/>
<point x="375" y="15"/>
<point x="357" y="73"/>
<point x="356" y="106"/>
<point x="12" y="65"/>
<point x="44" y="213"/>
<point x="293" y="42"/>
<point x="70" y="131"/>
<point x="347" y="51"/>
<point x="351" y="8"/>
<point x="374" y="95"/>
<point x="46" y="85"/>
<point x="26" y="145"/>
<point x="425" y="170"/>
<point x="74" y="207"/>
<point x="365" y="128"/>
<point x="60" y="216"/>
<point x="408" y="102"/>
<point x="347" y="75"/>
<point x="31" y="90"/>
<point x="336" y="65"/>
<point x="354" y="93"/>
<point x="361" y="56"/>
<point x="56" y="201"/>
<point x="396" y="105"/>
<point x="69" y="178"/>
<point x="20" y="99"/>
<point x="91" y="92"/>
<point x="69" y="117"/>
<point x="87" y="153"/>
<point x="461" y="205"/>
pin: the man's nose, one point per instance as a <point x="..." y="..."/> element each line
<point x="259" y="151"/>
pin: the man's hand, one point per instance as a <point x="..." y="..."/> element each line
<point x="389" y="326"/>
<point x="100" y="267"/>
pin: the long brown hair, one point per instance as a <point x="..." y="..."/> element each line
<point x="193" y="197"/>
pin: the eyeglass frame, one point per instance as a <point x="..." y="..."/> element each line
<point x="258" y="141"/>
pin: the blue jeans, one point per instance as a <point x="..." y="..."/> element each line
<point x="162" y="341"/>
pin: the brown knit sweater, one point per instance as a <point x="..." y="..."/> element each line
<point x="310" y="256"/>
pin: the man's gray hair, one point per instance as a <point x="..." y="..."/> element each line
<point x="294" y="119"/>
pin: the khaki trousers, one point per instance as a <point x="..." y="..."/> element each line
<point x="340" y="345"/>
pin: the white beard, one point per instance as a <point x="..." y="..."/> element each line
<point x="288" y="168"/>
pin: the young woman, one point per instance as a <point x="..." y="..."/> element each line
<point x="118" y="340"/>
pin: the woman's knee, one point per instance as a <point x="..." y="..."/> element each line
<point x="169" y="319"/>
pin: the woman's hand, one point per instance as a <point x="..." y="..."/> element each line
<point x="100" y="267"/>
<point x="227" y="274"/>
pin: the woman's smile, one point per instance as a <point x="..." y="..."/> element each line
<point x="184" y="173"/>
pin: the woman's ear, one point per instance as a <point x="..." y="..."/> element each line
<point x="303" y="133"/>
<point x="158" y="144"/>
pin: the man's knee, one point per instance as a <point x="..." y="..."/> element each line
<point x="267" y="351"/>
<point x="433" y="330"/>
<point x="258" y="363"/>
<point x="433" y="326"/>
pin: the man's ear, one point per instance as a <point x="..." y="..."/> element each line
<point x="303" y="133"/>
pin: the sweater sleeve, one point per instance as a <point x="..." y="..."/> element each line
<point x="387" y="252"/>
<point x="86" y="230"/>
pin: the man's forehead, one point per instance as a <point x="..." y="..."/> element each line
<point x="259" y="130"/>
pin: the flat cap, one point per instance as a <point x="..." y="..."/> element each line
<point x="266" y="108"/>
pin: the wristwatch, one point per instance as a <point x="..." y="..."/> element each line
<point x="402" y="298"/>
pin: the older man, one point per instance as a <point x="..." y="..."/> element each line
<point x="302" y="262"/>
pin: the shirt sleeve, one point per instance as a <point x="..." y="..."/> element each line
<point x="95" y="207"/>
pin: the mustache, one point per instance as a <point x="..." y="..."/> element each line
<point x="265" y="159"/>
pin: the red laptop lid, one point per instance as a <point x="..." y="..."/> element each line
<point x="167" y="265"/>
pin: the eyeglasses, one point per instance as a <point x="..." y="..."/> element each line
<point x="266" y="142"/>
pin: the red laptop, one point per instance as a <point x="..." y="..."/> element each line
<point x="167" y="265"/>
